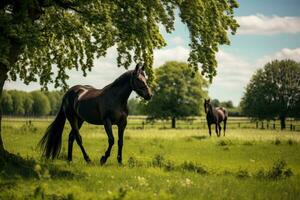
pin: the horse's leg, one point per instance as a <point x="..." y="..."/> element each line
<point x="220" y="128"/>
<point x="108" y="130"/>
<point x="121" y="128"/>
<point x="76" y="125"/>
<point x="225" y="125"/>
<point x="72" y="136"/>
<point x="217" y="129"/>
<point x="209" y="128"/>
<point x="70" y="144"/>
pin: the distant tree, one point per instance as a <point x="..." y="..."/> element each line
<point x="135" y="107"/>
<point x="27" y="104"/>
<point x="7" y="103"/>
<point x="41" y="105"/>
<point x="18" y="100"/>
<point x="54" y="98"/>
<point x="227" y="104"/>
<point x="215" y="103"/>
<point x="274" y="91"/>
<point x="177" y="94"/>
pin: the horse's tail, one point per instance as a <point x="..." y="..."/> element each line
<point x="50" y="144"/>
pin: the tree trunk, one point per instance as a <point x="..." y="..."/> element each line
<point x="173" y="122"/>
<point x="3" y="77"/>
<point x="282" y="122"/>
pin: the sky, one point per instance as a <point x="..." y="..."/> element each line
<point x="269" y="30"/>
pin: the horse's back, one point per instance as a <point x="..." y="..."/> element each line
<point x="222" y="112"/>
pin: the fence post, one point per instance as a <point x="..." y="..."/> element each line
<point x="267" y="125"/>
<point x="291" y="127"/>
<point x="239" y="125"/>
<point x="143" y="125"/>
<point x="262" y="124"/>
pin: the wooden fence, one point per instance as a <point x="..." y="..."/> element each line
<point x="200" y="123"/>
<point x="141" y="122"/>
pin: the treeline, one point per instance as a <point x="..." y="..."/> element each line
<point x="232" y="110"/>
<point x="136" y="107"/>
<point x="42" y="103"/>
<point x="35" y="103"/>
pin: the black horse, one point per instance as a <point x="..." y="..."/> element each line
<point x="215" y="116"/>
<point x="107" y="106"/>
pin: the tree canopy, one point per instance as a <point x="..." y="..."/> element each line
<point x="274" y="91"/>
<point x="177" y="94"/>
<point x="37" y="34"/>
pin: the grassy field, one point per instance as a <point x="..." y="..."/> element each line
<point x="157" y="164"/>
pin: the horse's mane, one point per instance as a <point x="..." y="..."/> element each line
<point x="120" y="80"/>
<point x="123" y="78"/>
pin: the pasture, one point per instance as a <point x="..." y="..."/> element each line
<point x="158" y="163"/>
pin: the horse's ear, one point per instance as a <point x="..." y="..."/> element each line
<point x="208" y="100"/>
<point x="137" y="67"/>
<point x="143" y="68"/>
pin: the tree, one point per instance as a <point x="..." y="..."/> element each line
<point x="55" y="98"/>
<point x="28" y="104"/>
<point x="17" y="99"/>
<point x="6" y="103"/>
<point x="274" y="91"/>
<point x="177" y="94"/>
<point x="227" y="104"/>
<point x="215" y="103"/>
<point x="135" y="107"/>
<point x="36" y="35"/>
<point x="41" y="105"/>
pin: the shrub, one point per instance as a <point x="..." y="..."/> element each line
<point x="279" y="170"/>
<point x="242" y="174"/>
<point x="224" y="142"/>
<point x="291" y="142"/>
<point x="133" y="162"/>
<point x="158" y="161"/>
<point x="192" y="167"/>
<point x="277" y="141"/>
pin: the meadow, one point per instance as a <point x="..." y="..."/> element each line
<point x="158" y="163"/>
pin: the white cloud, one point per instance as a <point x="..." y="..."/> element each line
<point x="178" y="53"/>
<point x="177" y="41"/>
<point x="267" y="25"/>
<point x="235" y="72"/>
<point x="293" y="54"/>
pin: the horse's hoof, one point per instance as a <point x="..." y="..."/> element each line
<point x="120" y="162"/>
<point x="88" y="160"/>
<point x="102" y="160"/>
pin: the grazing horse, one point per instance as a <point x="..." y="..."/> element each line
<point x="215" y="116"/>
<point x="107" y="106"/>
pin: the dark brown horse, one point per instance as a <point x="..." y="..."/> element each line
<point x="107" y="106"/>
<point x="215" y="116"/>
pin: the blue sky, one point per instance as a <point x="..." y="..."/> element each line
<point x="270" y="29"/>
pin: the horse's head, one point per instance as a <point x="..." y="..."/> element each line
<point x="206" y="105"/>
<point x="139" y="83"/>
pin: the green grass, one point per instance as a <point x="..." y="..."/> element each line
<point x="158" y="164"/>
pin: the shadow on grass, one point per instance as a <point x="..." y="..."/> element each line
<point x="202" y="137"/>
<point x="14" y="166"/>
